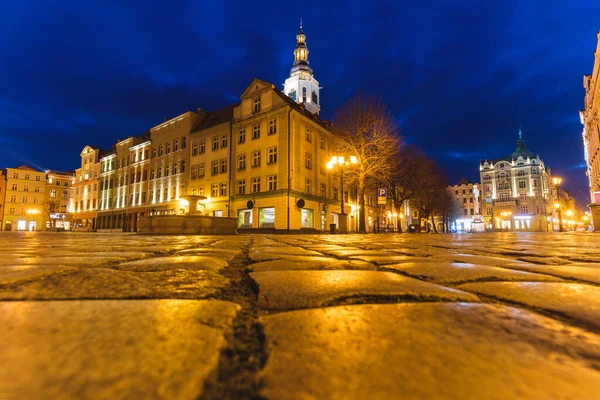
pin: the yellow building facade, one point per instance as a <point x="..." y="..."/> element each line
<point x="590" y="118"/>
<point x="86" y="190"/>
<point x="59" y="200"/>
<point x="24" y="199"/>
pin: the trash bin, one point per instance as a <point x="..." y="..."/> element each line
<point x="332" y="228"/>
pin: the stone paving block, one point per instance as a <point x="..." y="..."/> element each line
<point x="392" y="259"/>
<point x="310" y="263"/>
<point x="224" y="254"/>
<point x="136" y="349"/>
<point x="545" y="260"/>
<point x="447" y="272"/>
<point x="103" y="283"/>
<point x="356" y="252"/>
<point x="174" y="262"/>
<point x="588" y="272"/>
<point x="479" y="259"/>
<point x="574" y="300"/>
<point x="71" y="261"/>
<point x="427" y="351"/>
<point x="25" y="272"/>
<point x="286" y="290"/>
<point x="258" y="254"/>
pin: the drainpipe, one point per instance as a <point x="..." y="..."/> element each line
<point x="288" y="170"/>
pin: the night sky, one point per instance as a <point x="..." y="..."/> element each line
<point x="460" y="76"/>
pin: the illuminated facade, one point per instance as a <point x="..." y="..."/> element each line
<point x="58" y="200"/>
<point x="2" y="198"/>
<point x="515" y="192"/>
<point x="590" y="118"/>
<point x="469" y="204"/>
<point x="86" y="190"/>
<point x="24" y="199"/>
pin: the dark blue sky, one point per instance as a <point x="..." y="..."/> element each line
<point x="460" y="76"/>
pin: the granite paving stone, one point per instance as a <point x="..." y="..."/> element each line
<point x="286" y="290"/>
<point x="258" y="254"/>
<point x="174" y="262"/>
<point x="427" y="351"/>
<point x="137" y="349"/>
<point x="392" y="259"/>
<point x="18" y="273"/>
<point x="448" y="272"/>
<point x="104" y="283"/>
<point x="580" y="302"/>
<point x="480" y="260"/>
<point x="583" y="271"/>
<point x="308" y="263"/>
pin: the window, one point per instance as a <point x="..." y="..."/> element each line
<point x="200" y="190"/>
<point x="266" y="217"/>
<point x="272" y="153"/>
<point x="245" y="219"/>
<point x="256" y="108"/>
<point x="487" y="177"/>
<point x="304" y="95"/>
<point x="36" y="189"/>
<point x="272" y="126"/>
<point x="12" y="211"/>
<point x="201" y="170"/>
<point x="322" y="142"/>
<point x="146" y="154"/>
<point x="53" y="194"/>
<point x="335" y="193"/>
<point x="256" y="158"/>
<point x="65" y="195"/>
<point x="16" y="175"/>
<point x="223" y="189"/>
<point x="241" y="162"/>
<point x="522" y="184"/>
<point x="152" y="174"/>
<point x="168" y="147"/>
<point x="242" y="186"/>
<point x="167" y="169"/>
<point x="14" y="186"/>
<point x="292" y="94"/>
<point x="194" y="171"/>
<point x="308" y="135"/>
<point x="224" y="141"/>
<point x="195" y="149"/>
<point x="315" y="98"/>
<point x="13" y="198"/>
<point x="308" y="186"/>
<point x="272" y="182"/>
<point x="145" y="176"/>
<point x="255" y="185"/>
<point x="37" y="178"/>
<point x="307" y="218"/>
<point x="223" y="165"/>
<point x="202" y="147"/>
<point x="214" y="190"/>
<point x="524" y="210"/>
<point x="215" y="142"/>
<point x="27" y="176"/>
<point x="256" y="132"/>
<point x="464" y="200"/>
<point x="521" y="173"/>
<point x="57" y="183"/>
<point x="160" y="150"/>
<point x="242" y="136"/>
<point x="523" y="196"/>
<point x="215" y="167"/>
<point x="153" y="153"/>
<point x="25" y="198"/>
<point x="323" y="190"/>
<point x="308" y="161"/>
<point x="183" y="143"/>
<point x="182" y="167"/>
<point x="176" y="145"/>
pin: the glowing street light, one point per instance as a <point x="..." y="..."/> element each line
<point x="556" y="180"/>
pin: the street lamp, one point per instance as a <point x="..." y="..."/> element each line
<point x="342" y="162"/>
<point x="556" y="180"/>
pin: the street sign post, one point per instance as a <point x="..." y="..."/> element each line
<point x="381" y="196"/>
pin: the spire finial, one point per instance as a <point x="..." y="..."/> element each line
<point x="520" y="133"/>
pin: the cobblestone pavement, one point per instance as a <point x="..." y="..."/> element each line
<point x="412" y="316"/>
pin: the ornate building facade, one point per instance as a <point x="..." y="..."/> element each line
<point x="24" y="199"/>
<point x="590" y="118"/>
<point x="516" y="192"/>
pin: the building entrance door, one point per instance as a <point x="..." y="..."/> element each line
<point x="32" y="225"/>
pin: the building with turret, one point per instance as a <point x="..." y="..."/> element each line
<point x="515" y="192"/>
<point x="590" y="118"/>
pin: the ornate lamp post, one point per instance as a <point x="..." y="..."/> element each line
<point x="342" y="162"/>
<point x="556" y="180"/>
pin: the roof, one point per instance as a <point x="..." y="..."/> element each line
<point x="216" y="118"/>
<point x="302" y="110"/>
<point x="464" y="181"/>
<point x="70" y="173"/>
<point x="26" y="167"/>
<point x="520" y="151"/>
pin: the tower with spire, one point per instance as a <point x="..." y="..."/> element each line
<point x="301" y="86"/>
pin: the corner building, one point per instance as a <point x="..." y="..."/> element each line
<point x="516" y="194"/>
<point x="590" y="118"/>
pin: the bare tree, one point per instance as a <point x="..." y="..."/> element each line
<point x="366" y="129"/>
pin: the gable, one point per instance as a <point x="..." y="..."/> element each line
<point x="257" y="86"/>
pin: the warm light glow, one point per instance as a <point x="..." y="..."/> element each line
<point x="353" y="159"/>
<point x="396" y="215"/>
<point x="31" y="211"/>
<point x="586" y="218"/>
<point x="333" y="160"/>
<point x="556" y="180"/>
<point x="183" y="202"/>
<point x="340" y="160"/>
<point x="401" y="215"/>
<point x="389" y="214"/>
<point x="569" y="213"/>
<point x="556" y="205"/>
<point x="330" y="164"/>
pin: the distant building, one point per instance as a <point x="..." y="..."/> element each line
<point x="516" y="191"/>
<point x="590" y="117"/>
<point x="24" y="199"/>
<point x="2" y="198"/>
<point x="58" y="200"/>
<point x="86" y="190"/>
<point x="466" y="201"/>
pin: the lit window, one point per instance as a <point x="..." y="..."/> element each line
<point x="215" y="167"/>
<point x="224" y="140"/>
<point x="242" y="136"/>
<point x="256" y="158"/>
<point x="255" y="132"/>
<point x="272" y="152"/>
<point x="255" y="185"/>
<point x="308" y="161"/>
<point x="215" y="142"/>
<point x="272" y="126"/>
<point x="256" y="108"/>
<point x="242" y="186"/>
<point x="241" y="162"/>
<point x="272" y="182"/>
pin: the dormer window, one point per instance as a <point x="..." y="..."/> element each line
<point x="256" y="108"/>
<point x="292" y="94"/>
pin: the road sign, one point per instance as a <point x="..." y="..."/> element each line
<point x="382" y="192"/>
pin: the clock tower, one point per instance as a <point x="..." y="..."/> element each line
<point x="301" y="86"/>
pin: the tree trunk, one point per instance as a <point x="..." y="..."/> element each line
<point x="433" y="223"/>
<point x="362" y="226"/>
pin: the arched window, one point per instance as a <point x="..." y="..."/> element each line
<point x="304" y="95"/>
<point x="315" y="98"/>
